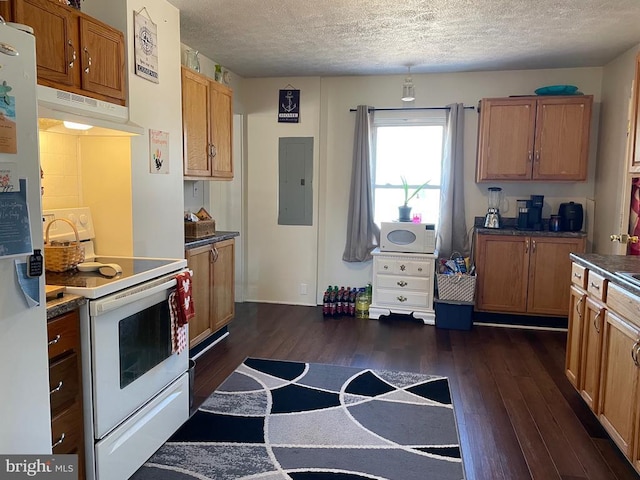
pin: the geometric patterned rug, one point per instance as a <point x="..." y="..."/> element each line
<point x="277" y="420"/>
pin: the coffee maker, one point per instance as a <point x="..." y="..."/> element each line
<point x="492" y="219"/>
<point x="530" y="213"/>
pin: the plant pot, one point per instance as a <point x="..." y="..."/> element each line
<point x="404" y="213"/>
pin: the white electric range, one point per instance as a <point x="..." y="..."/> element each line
<point x="135" y="387"/>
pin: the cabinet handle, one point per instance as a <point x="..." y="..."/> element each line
<point x="214" y="150"/>
<point x="386" y="267"/>
<point x="595" y="323"/>
<point x="577" y="275"/>
<point x="215" y="254"/>
<point x="73" y="54"/>
<point x="526" y="246"/>
<point x="57" y="389"/>
<point x="88" y="55"/>
<point x="533" y="246"/>
<point x="595" y="286"/>
<point x="529" y="156"/>
<point x="403" y="267"/>
<point x="402" y="283"/>
<point x="634" y="353"/>
<point x="211" y="255"/>
<point x="55" y="340"/>
<point x="578" y="306"/>
<point x="420" y="269"/>
<point x="59" y="442"/>
<point x="401" y="298"/>
<point x="538" y="156"/>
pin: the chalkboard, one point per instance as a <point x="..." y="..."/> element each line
<point x="15" y="228"/>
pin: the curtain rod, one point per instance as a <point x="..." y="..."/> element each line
<point x="411" y="108"/>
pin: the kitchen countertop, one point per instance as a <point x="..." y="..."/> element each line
<point x="217" y="237"/>
<point x="64" y="304"/>
<point x="509" y="227"/>
<point x="607" y="265"/>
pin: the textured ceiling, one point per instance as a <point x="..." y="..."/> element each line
<point x="276" y="38"/>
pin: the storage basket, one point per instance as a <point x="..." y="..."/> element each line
<point x="200" y="229"/>
<point x="63" y="257"/>
<point x="456" y="287"/>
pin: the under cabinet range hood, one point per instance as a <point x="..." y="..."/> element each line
<point x="57" y="106"/>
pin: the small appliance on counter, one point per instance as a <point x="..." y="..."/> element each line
<point x="571" y="216"/>
<point x="492" y="219"/>
<point x="530" y="213"/>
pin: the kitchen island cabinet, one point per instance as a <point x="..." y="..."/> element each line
<point x="206" y="128"/>
<point x="534" y="138"/>
<point x="520" y="272"/>
<point x="213" y="267"/>
<point x="74" y="51"/>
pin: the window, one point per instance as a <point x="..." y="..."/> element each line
<point x="407" y="144"/>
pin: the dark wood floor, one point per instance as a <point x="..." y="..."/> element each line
<point x="518" y="416"/>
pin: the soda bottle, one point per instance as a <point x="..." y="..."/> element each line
<point x="352" y="302"/>
<point x="332" y="301"/>
<point x="339" y="301"/>
<point x="326" y="309"/>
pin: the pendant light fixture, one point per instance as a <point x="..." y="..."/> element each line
<point x="408" y="91"/>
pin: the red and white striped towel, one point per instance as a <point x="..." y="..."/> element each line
<point x="178" y="332"/>
<point x="181" y="308"/>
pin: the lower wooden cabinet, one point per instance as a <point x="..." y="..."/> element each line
<point x="213" y="269"/>
<point x="524" y="274"/>
<point x="65" y="386"/>
<point x="592" y="335"/>
<point x="575" y="330"/>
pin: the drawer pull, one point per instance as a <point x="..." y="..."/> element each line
<point x="402" y="283"/>
<point x="595" y="320"/>
<point x="403" y="267"/>
<point x="57" y="389"/>
<point x="595" y="285"/>
<point x="55" y="340"/>
<point x="386" y="267"/>
<point x="578" y="311"/>
<point x="634" y="353"/>
<point x="420" y="269"/>
<point x="401" y="298"/>
<point x="59" y="442"/>
<point x="577" y="275"/>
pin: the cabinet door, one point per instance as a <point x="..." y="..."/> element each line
<point x="195" y="124"/>
<point x="591" y="349"/>
<point x="505" y="140"/>
<point x="221" y="123"/>
<point x="102" y="59"/>
<point x="575" y="330"/>
<point x="502" y="263"/>
<point x="200" y="261"/>
<point x="549" y="268"/>
<point x="618" y="400"/>
<point x="223" y="283"/>
<point x="57" y="39"/>
<point x="562" y="138"/>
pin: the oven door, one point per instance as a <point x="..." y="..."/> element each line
<point x="131" y="351"/>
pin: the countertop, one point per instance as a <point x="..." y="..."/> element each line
<point x="216" y="237"/>
<point x="607" y="265"/>
<point x="64" y="304"/>
<point x="509" y="227"/>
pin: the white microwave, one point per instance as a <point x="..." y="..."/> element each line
<point x="407" y="237"/>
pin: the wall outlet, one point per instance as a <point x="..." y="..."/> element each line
<point x="196" y="189"/>
<point x="303" y="289"/>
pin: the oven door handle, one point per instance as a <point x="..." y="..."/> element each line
<point x="99" y="307"/>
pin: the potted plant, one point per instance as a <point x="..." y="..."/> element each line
<point x="404" y="211"/>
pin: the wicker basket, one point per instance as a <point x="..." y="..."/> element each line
<point x="456" y="287"/>
<point x="201" y="229"/>
<point x="60" y="258"/>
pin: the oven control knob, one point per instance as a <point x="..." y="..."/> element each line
<point x="73" y="219"/>
<point x="84" y="219"/>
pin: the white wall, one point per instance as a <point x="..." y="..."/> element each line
<point x="279" y="257"/>
<point x="611" y="179"/>
<point x="158" y="201"/>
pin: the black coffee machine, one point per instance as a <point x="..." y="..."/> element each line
<point x="530" y="213"/>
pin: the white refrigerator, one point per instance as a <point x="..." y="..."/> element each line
<point x="24" y="376"/>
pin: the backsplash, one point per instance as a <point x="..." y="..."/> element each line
<point x="59" y="162"/>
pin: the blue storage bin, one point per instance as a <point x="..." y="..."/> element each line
<point x="453" y="314"/>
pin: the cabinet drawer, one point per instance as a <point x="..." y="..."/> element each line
<point x="597" y="286"/>
<point x="579" y="275"/>
<point x="66" y="431"/>
<point x="624" y="304"/>
<point x="62" y="334"/>
<point x="417" y="268"/>
<point x="401" y="299"/>
<point x="401" y="283"/>
<point x="63" y="383"/>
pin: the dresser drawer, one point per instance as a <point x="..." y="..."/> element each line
<point x="417" y="268"/>
<point x="63" y="334"/>
<point x="400" y="283"/>
<point x="402" y="299"/>
<point x="597" y="286"/>
<point x="579" y="275"/>
<point x="66" y="430"/>
<point x="64" y="385"/>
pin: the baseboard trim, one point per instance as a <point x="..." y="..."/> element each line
<point x="521" y="327"/>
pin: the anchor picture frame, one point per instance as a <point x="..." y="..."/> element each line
<point x="289" y="105"/>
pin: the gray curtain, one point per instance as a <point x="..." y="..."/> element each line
<point x="452" y="230"/>
<point x="362" y="233"/>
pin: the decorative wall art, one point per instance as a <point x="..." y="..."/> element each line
<point x="289" y="105"/>
<point x="146" y="46"/>
<point x="158" y="151"/>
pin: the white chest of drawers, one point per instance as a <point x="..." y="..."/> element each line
<point x="403" y="283"/>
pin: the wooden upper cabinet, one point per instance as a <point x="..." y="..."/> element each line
<point x="534" y="138"/>
<point x="75" y="52"/>
<point x="206" y="128"/>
